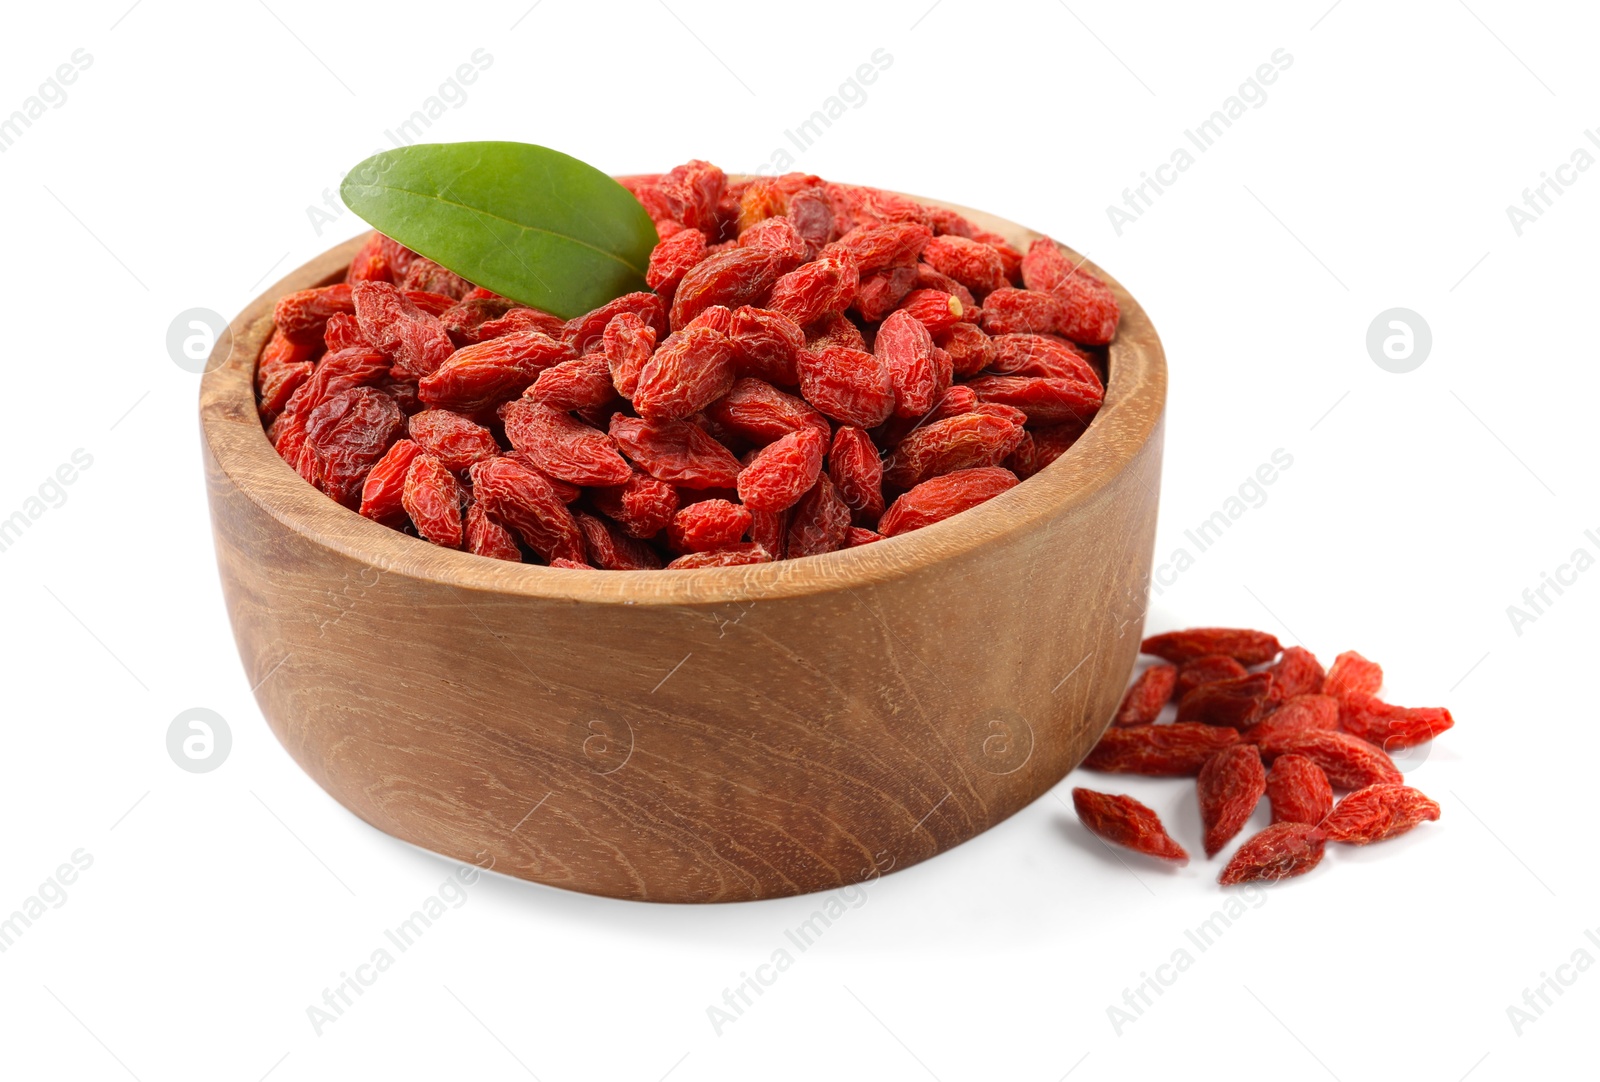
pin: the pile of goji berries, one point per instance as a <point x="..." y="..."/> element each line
<point x="1318" y="731"/>
<point x="817" y="366"/>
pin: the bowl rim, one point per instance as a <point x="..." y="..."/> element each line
<point x="1132" y="412"/>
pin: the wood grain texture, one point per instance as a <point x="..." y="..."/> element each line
<point x="692" y="736"/>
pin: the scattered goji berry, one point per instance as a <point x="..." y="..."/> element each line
<point x="906" y="348"/>
<point x="1145" y="697"/>
<point x="1206" y="670"/>
<point x="1159" y="750"/>
<point x="1230" y="785"/>
<point x="857" y="472"/>
<point x="1298" y="791"/>
<point x="560" y="446"/>
<point x="643" y="506"/>
<point x="1299" y="714"/>
<point x="1237" y="702"/>
<point x="1297" y="672"/>
<point x="1282" y="851"/>
<point x="1246" y="647"/>
<point x="1126" y="822"/>
<point x="1378" y="812"/>
<point x="1390" y="726"/>
<point x="1351" y="674"/>
<point x="1349" y="761"/>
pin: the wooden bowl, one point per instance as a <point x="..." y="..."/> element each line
<point x="712" y="735"/>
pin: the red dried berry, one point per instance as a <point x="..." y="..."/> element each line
<point x="1090" y="310"/>
<point x="1377" y="813"/>
<point x="819" y="288"/>
<point x="783" y="471"/>
<point x="707" y="525"/>
<point x="483" y="536"/>
<point x="347" y="435"/>
<point x="464" y="320"/>
<point x="482" y="376"/>
<point x="970" y="349"/>
<point x="1149" y="692"/>
<point x="692" y="369"/>
<point x="562" y="447"/>
<point x="677" y="452"/>
<point x="820" y="522"/>
<point x="766" y="345"/>
<point x="1246" y="647"/>
<point x="586" y="333"/>
<point x="859" y="536"/>
<point x="1351" y="674"/>
<point x="1050" y="442"/>
<point x="1299" y="791"/>
<point x="609" y="547"/>
<point x="1045" y="401"/>
<point x="940" y="498"/>
<point x="936" y="310"/>
<point x="731" y="277"/>
<point x="778" y="235"/>
<point x="1230" y="785"/>
<point x="967" y="441"/>
<point x="904" y="345"/>
<point x="882" y="290"/>
<point x="628" y="342"/>
<point x="1297" y="672"/>
<point x="849" y="385"/>
<point x="1010" y="258"/>
<point x="1206" y="670"/>
<point x="732" y="556"/>
<point x="380" y="260"/>
<point x="1390" y="726"/>
<point x="672" y="258"/>
<point x="1159" y="750"/>
<point x="1349" y="761"/>
<point x="874" y="247"/>
<point x="1303" y="713"/>
<point x="757" y="411"/>
<point x="432" y="499"/>
<point x="1045" y="356"/>
<point x="1126" y="822"/>
<point x="642" y="507"/>
<point x="385" y="484"/>
<point x="527" y="319"/>
<point x="303" y="316"/>
<point x="451" y="438"/>
<point x="857" y="472"/>
<point x="415" y="342"/>
<point x="1282" y="851"/>
<point x="523" y="499"/>
<point x="972" y="263"/>
<point x="1237" y="702"/>
<point x="1020" y="311"/>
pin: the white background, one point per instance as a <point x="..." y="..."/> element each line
<point x="178" y="173"/>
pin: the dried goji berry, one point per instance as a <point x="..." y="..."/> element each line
<point x="454" y="440"/>
<point x="1126" y="822"/>
<point x="765" y="345"/>
<point x="691" y="369"/>
<point x="936" y="310"/>
<point x="1390" y="726"/>
<point x="713" y="317"/>
<point x="1230" y="785"/>
<point x="770" y="530"/>
<point x="1145" y="697"/>
<point x="874" y="247"/>
<point x="478" y="377"/>
<point x="849" y="385"/>
<point x="1050" y="442"/>
<point x="881" y="290"/>
<point x="1246" y="647"/>
<point x="1351" y="674"/>
<point x="348" y="433"/>
<point x="432" y="499"/>
<point x="582" y="384"/>
<point x="628" y="342"/>
<point x="561" y="446"/>
<point x="964" y="442"/>
<point x="731" y="277"/>
<point x="1024" y="460"/>
<point x="707" y="525"/>
<point x="677" y="452"/>
<point x="642" y="507"/>
<point x="672" y="258"/>
<point x="1090" y="310"/>
<point x="1297" y="672"/>
<point x="1042" y="355"/>
<point x="380" y="260"/>
<point x="1298" y="791"/>
<point x="691" y="192"/>
<point x="1012" y="311"/>
<point x="778" y="235"/>
<point x="1206" y="670"/>
<point x="860" y="535"/>
<point x="464" y="320"/>
<point x="1159" y="750"/>
<point x="483" y="536"/>
<point x="1237" y="702"/>
<point x="359" y="366"/>
<point x="523" y="499"/>
<point x="1010" y="258"/>
<point x="835" y="330"/>
<point x="1045" y="401"/>
<point x="929" y="278"/>
<point x="430" y="277"/>
<point x="970" y="349"/>
<point x="1378" y="812"/>
<point x="276" y="383"/>
<point x="857" y="472"/>
<point x="820" y="522"/>
<point x="586" y="333"/>
<point x="940" y="498"/>
<point x="611" y="549"/>
<point x="529" y="319"/>
<point x="1349" y="761"/>
<point x="342" y="332"/>
<point x="972" y="263"/>
<point x="1299" y="714"/>
<point x="821" y="287"/>
<point x="782" y="472"/>
<point x="1282" y="851"/>
<point x="757" y="411"/>
<point x="385" y="483"/>
<point x="904" y="345"/>
<point x="415" y="342"/>
<point x="303" y="316"/>
<point x="813" y="216"/>
<point x="732" y="556"/>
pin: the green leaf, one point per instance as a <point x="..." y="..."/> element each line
<point x="528" y="222"/>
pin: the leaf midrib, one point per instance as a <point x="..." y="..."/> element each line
<point x="509" y="221"/>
